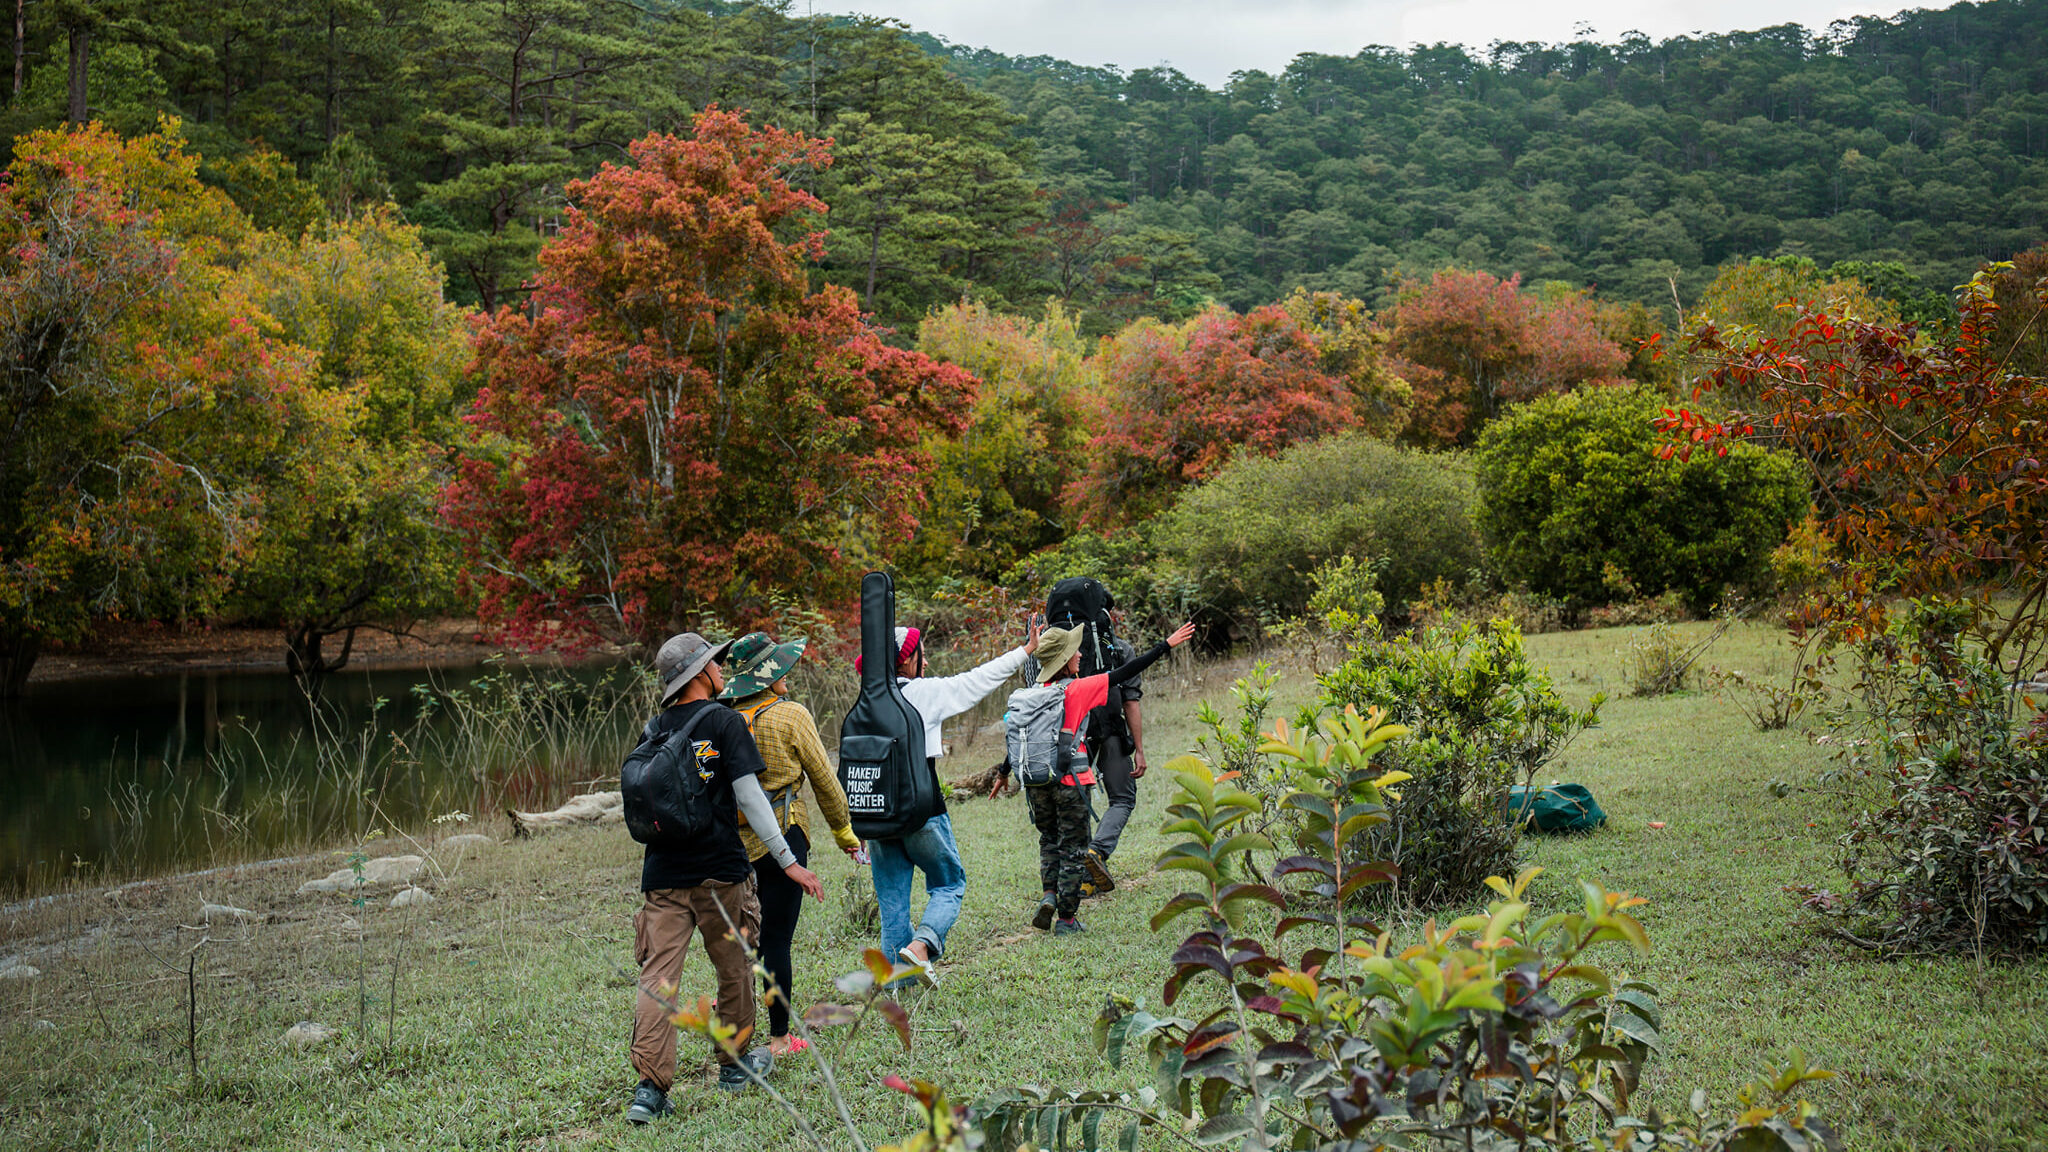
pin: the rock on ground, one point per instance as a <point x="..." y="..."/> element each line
<point x="208" y="913"/>
<point x="376" y="873"/>
<point x="467" y="841"/>
<point x="306" y="1034"/>
<point x="20" y="972"/>
<point x="589" y="808"/>
<point x="412" y="896"/>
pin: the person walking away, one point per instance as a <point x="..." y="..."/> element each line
<point x="1118" y="743"/>
<point x="703" y="884"/>
<point x="1059" y="808"/>
<point x="931" y="849"/>
<point x="793" y="753"/>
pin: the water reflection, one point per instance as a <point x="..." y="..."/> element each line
<point x="116" y="777"/>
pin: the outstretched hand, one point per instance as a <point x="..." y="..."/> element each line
<point x="807" y="880"/>
<point x="1181" y="635"/>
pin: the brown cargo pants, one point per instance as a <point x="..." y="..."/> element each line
<point x="661" y="938"/>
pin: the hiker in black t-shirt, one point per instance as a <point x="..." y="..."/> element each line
<point x="706" y="887"/>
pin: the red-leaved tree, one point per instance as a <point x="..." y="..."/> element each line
<point x="1929" y="458"/>
<point x="1470" y="344"/>
<point x="1176" y="403"/>
<point x="681" y="426"/>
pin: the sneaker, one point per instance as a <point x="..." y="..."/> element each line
<point x="1069" y="927"/>
<point x="649" y="1104"/>
<point x="1042" y="919"/>
<point x="733" y="1077"/>
<point x="1098" y="873"/>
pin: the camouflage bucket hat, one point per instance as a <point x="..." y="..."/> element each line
<point x="756" y="662"/>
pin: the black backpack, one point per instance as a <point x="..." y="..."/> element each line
<point x="890" y="790"/>
<point x="666" y="788"/>
<point x="1082" y="600"/>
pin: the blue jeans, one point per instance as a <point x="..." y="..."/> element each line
<point x="932" y="851"/>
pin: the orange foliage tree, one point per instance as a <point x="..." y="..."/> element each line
<point x="1469" y="344"/>
<point x="142" y="393"/>
<point x="1929" y="457"/>
<point x="1177" y="402"/>
<point x="680" y="424"/>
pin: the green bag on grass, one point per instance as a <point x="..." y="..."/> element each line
<point x="1557" y="808"/>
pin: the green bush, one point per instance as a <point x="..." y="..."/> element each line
<point x="1481" y="718"/>
<point x="1571" y="484"/>
<point x="1955" y="859"/>
<point x="1252" y="537"/>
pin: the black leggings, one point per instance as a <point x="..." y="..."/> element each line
<point x="782" y="901"/>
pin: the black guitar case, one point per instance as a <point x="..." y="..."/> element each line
<point x="890" y="790"/>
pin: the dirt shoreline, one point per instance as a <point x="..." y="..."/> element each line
<point x="154" y="650"/>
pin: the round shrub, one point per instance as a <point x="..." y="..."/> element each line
<point x="1571" y="484"/>
<point x="1253" y="536"/>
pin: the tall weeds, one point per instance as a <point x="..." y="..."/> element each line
<point x="511" y="737"/>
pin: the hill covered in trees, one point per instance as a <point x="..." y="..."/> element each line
<point x="1920" y="140"/>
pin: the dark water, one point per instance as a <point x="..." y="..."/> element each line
<point x="108" y="779"/>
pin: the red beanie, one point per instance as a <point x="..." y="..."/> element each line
<point x="906" y="643"/>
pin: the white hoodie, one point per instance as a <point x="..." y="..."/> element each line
<point x="941" y="698"/>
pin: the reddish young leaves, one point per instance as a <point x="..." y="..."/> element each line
<point x="1471" y="344"/>
<point x="1926" y="456"/>
<point x="1177" y="403"/>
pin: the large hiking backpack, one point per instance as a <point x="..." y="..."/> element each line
<point x="890" y="790"/>
<point x="1041" y="750"/>
<point x="1083" y="601"/>
<point x="666" y="787"/>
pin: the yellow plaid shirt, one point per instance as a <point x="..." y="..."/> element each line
<point x="790" y="747"/>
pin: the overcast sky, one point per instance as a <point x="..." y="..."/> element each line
<point x="1210" y="39"/>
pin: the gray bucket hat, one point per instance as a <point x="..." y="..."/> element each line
<point x="682" y="657"/>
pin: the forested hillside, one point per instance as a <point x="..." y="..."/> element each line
<point x="1921" y="140"/>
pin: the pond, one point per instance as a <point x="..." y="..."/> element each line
<point x="114" y="778"/>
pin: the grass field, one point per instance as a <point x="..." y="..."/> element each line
<point x="513" y="986"/>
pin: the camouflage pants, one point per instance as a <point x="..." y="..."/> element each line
<point x="1060" y="812"/>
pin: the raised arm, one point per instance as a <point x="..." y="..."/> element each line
<point x="1139" y="663"/>
<point x="944" y="697"/>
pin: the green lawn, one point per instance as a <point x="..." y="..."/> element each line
<point x="515" y="984"/>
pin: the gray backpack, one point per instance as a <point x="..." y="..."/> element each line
<point x="1040" y="750"/>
